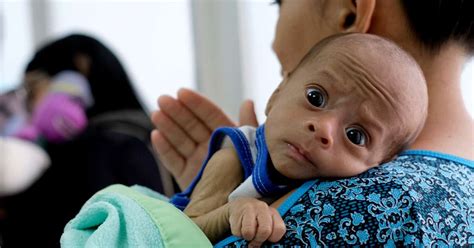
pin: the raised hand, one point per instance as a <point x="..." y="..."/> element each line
<point x="247" y="114"/>
<point x="183" y="128"/>
<point x="255" y="221"/>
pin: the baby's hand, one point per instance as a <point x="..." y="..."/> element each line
<point x="255" y="221"/>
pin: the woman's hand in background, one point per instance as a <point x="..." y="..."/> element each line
<point x="183" y="128"/>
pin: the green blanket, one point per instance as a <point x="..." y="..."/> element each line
<point x="120" y="216"/>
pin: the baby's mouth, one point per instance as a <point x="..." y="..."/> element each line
<point x="299" y="154"/>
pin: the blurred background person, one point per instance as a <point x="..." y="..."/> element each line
<point x="12" y="111"/>
<point x="17" y="171"/>
<point x="107" y="141"/>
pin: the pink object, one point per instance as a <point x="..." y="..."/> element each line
<point x="59" y="117"/>
<point x="28" y="132"/>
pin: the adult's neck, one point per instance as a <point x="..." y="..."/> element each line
<point x="449" y="128"/>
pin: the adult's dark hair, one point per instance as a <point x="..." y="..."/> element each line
<point x="110" y="85"/>
<point x="435" y="22"/>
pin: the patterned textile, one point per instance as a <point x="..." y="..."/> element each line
<point x="421" y="198"/>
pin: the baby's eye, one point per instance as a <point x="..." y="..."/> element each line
<point x="356" y="136"/>
<point x="316" y="97"/>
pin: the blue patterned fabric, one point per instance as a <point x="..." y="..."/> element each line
<point x="421" y="199"/>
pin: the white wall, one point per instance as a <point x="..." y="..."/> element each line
<point x="218" y="52"/>
<point x="260" y="67"/>
<point x="16" y="41"/>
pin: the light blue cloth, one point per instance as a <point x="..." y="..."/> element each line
<point x="120" y="216"/>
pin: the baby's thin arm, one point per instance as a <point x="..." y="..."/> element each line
<point x="208" y="208"/>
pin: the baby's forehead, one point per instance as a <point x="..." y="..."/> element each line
<point x="364" y="74"/>
<point x="357" y="59"/>
<point x="369" y="64"/>
<point x="349" y="72"/>
<point x="360" y="45"/>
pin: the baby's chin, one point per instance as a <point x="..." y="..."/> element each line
<point x="294" y="171"/>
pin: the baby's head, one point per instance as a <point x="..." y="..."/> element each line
<point x="355" y="101"/>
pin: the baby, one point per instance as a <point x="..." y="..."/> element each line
<point x="354" y="102"/>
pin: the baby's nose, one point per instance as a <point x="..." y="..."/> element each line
<point x="322" y="132"/>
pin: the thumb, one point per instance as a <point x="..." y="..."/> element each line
<point x="247" y="114"/>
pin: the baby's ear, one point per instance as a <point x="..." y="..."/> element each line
<point x="275" y="95"/>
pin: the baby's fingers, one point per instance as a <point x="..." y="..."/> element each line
<point x="264" y="228"/>
<point x="236" y="225"/>
<point x="249" y="226"/>
<point x="279" y="227"/>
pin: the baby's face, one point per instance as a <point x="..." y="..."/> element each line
<point x="331" y="119"/>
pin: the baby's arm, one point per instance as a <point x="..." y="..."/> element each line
<point x="208" y="208"/>
<point x="249" y="218"/>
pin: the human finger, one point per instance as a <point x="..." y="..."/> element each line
<point x="279" y="227"/>
<point x="254" y="244"/>
<point x="169" y="157"/>
<point x="178" y="138"/>
<point x="209" y="113"/>
<point x="183" y="117"/>
<point x="264" y="229"/>
<point x="249" y="225"/>
<point x="247" y="114"/>
<point x="236" y="225"/>
<point x="192" y="165"/>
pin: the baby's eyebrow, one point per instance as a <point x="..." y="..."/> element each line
<point x="336" y="84"/>
<point x="327" y="75"/>
<point x="370" y="121"/>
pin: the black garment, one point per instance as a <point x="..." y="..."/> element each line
<point x="101" y="156"/>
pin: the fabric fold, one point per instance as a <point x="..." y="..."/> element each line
<point x="120" y="216"/>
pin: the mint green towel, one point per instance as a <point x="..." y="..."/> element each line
<point x="120" y="216"/>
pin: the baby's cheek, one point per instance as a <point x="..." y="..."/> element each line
<point x="296" y="171"/>
<point x="354" y="170"/>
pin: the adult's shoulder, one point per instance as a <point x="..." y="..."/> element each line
<point x="416" y="199"/>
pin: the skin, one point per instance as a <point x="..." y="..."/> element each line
<point x="448" y="128"/>
<point x="36" y="84"/>
<point x="302" y="24"/>
<point x="245" y="217"/>
<point x="307" y="141"/>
